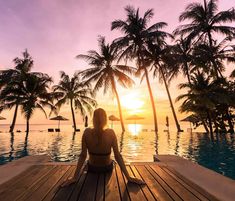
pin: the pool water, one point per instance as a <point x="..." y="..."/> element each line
<point x="136" y="145"/>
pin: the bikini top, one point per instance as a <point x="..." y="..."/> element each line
<point x="99" y="154"/>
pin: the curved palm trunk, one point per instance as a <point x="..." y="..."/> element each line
<point x="12" y="146"/>
<point x="187" y="73"/>
<point x="170" y="100"/>
<point x="217" y="71"/>
<point x="151" y="99"/>
<point x="14" y="119"/>
<point x="119" y="105"/>
<point x="27" y="125"/>
<point x="73" y="115"/>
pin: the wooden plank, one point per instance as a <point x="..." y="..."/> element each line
<point x="191" y="189"/>
<point x="122" y="185"/>
<point x="111" y="187"/>
<point x="89" y="188"/>
<point x="176" y="186"/>
<point x="148" y="194"/>
<point x="163" y="184"/>
<point x="134" y="190"/>
<point x="153" y="183"/>
<point x="52" y="192"/>
<point x="186" y="181"/>
<point x="100" y="188"/>
<point x="20" y="187"/>
<point x="38" y="191"/>
<point x="78" y="187"/>
<point x="28" y="192"/>
<point x="19" y="177"/>
<point x="70" y="192"/>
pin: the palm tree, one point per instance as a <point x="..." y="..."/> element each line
<point x="205" y="21"/>
<point x="29" y="94"/>
<point x="7" y="77"/>
<point x="181" y="56"/>
<point x="76" y="93"/>
<point x="105" y="73"/>
<point x="160" y="57"/>
<point x="211" y="59"/>
<point x="206" y="98"/>
<point x="136" y="34"/>
<point x="35" y="95"/>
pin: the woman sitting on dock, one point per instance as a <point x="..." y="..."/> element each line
<point x="98" y="141"/>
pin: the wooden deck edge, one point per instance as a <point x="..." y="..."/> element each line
<point x="214" y="183"/>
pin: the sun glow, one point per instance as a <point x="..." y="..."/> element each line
<point x="132" y="102"/>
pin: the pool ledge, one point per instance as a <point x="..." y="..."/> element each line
<point x="216" y="184"/>
<point x="10" y="170"/>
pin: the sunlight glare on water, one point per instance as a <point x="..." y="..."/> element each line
<point x="135" y="129"/>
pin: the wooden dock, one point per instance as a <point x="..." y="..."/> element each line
<point x="41" y="182"/>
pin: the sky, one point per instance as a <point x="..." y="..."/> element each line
<point x="55" y="31"/>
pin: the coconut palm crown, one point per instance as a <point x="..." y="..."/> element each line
<point x="205" y="20"/>
<point x="104" y="71"/>
<point x="74" y="91"/>
<point x="30" y="94"/>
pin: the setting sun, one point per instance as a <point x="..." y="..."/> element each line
<point x="132" y="102"/>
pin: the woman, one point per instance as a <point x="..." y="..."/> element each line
<point x="98" y="141"/>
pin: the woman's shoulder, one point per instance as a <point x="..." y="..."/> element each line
<point x="110" y="131"/>
<point x="87" y="131"/>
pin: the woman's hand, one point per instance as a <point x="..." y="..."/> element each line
<point x="68" y="182"/>
<point x="136" y="180"/>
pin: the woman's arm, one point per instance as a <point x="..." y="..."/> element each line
<point x="80" y="163"/>
<point x="82" y="156"/>
<point x="120" y="161"/>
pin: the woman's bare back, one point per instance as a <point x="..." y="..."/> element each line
<point x="99" y="146"/>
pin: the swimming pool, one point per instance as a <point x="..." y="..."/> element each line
<point x="217" y="154"/>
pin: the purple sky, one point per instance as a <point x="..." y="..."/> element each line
<point x="55" y="31"/>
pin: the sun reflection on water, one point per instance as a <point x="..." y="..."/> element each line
<point x="134" y="129"/>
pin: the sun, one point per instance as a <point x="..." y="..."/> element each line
<point x="132" y="102"/>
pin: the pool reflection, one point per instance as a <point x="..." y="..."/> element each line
<point x="217" y="153"/>
<point x="134" y="129"/>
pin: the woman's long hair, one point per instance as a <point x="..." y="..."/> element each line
<point x="99" y="122"/>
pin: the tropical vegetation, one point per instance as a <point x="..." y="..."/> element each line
<point x="202" y="50"/>
<point x="76" y="93"/>
<point x="21" y="88"/>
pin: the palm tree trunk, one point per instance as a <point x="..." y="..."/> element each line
<point x="217" y="71"/>
<point x="73" y="115"/>
<point x="14" y="119"/>
<point x="151" y="99"/>
<point x="204" y="123"/>
<point x="230" y="123"/>
<point x="27" y="125"/>
<point x="210" y="123"/>
<point x="119" y="105"/>
<point x="187" y="73"/>
<point x="205" y="126"/>
<point x="170" y="100"/>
